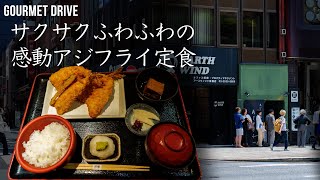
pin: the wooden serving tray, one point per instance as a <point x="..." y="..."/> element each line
<point x="132" y="146"/>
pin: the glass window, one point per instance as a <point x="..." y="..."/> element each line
<point x="184" y="2"/>
<point x="256" y="4"/>
<point x="202" y="2"/>
<point x="272" y="5"/>
<point x="156" y="16"/>
<point x="228" y="3"/>
<point x="203" y="25"/>
<point x="252" y="29"/>
<point x="156" y="19"/>
<point x="177" y="16"/>
<point x="273" y="30"/>
<point x="228" y="28"/>
<point x="311" y="12"/>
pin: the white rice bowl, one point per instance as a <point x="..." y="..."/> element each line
<point x="47" y="147"/>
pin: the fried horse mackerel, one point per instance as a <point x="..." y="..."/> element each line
<point x="76" y="83"/>
<point x="99" y="92"/>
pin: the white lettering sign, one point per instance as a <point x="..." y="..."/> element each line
<point x="200" y="70"/>
<point x="40" y="10"/>
<point x="294" y="96"/>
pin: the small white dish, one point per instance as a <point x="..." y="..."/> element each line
<point x="130" y="121"/>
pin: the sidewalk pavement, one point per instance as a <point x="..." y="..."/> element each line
<point x="259" y="154"/>
<point x="5" y="159"/>
<point x="215" y="153"/>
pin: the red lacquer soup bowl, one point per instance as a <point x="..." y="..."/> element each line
<point x="169" y="145"/>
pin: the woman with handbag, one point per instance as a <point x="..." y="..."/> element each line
<point x="247" y="131"/>
<point x="249" y="127"/>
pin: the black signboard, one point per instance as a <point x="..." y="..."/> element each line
<point x="252" y="106"/>
<point x="211" y="66"/>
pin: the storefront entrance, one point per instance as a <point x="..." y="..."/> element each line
<point x="209" y="91"/>
<point x="275" y="105"/>
<point x="210" y="111"/>
<point x="312" y="92"/>
<point x="223" y="100"/>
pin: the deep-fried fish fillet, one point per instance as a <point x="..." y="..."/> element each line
<point x="68" y="97"/>
<point x="68" y="88"/>
<point x="100" y="92"/>
<point x="60" y="77"/>
<point x="77" y="83"/>
<point x="65" y="85"/>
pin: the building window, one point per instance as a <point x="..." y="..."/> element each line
<point x="203" y="24"/>
<point x="156" y="16"/>
<point x="228" y="28"/>
<point x="311" y="12"/>
<point x="205" y="3"/>
<point x="273" y="31"/>
<point x="252" y="29"/>
<point x="177" y="16"/>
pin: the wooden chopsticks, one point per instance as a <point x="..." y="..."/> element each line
<point x="106" y="167"/>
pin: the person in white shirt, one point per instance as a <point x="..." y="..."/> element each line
<point x="259" y="127"/>
<point x="282" y="132"/>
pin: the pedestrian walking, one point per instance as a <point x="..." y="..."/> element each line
<point x="247" y="128"/>
<point x="259" y="127"/>
<point x="283" y="134"/>
<point x="315" y="120"/>
<point x="3" y="128"/>
<point x="238" y="120"/>
<point x="301" y="124"/>
<point x="270" y="120"/>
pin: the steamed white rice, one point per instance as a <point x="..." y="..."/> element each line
<point x="47" y="147"/>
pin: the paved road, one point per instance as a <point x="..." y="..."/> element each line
<point x="259" y="170"/>
<point x="251" y="170"/>
<point x="3" y="167"/>
<point x="4" y="160"/>
<point x="11" y="140"/>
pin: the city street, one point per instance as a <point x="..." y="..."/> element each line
<point x="250" y="170"/>
<point x="235" y="163"/>
<point x="259" y="170"/>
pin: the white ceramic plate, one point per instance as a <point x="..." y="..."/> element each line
<point x="114" y="109"/>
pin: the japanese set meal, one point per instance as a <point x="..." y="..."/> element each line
<point x="75" y="83"/>
<point x="48" y="146"/>
<point x="62" y="137"/>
